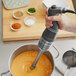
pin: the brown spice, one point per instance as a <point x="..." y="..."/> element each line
<point x="16" y="26"/>
<point x="18" y="14"/>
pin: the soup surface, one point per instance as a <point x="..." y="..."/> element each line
<point x="21" y="65"/>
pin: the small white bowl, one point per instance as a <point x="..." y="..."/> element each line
<point x="16" y="16"/>
<point x="29" y="20"/>
<point x="29" y="12"/>
<point x="13" y="28"/>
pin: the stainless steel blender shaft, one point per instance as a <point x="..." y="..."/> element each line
<point x="36" y="60"/>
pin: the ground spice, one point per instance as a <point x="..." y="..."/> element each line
<point x="16" y="26"/>
<point x="18" y="14"/>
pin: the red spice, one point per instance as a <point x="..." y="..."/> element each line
<point x="16" y="26"/>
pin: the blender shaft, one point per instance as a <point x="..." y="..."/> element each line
<point x="36" y="60"/>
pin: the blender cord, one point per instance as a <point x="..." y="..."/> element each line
<point x="69" y="11"/>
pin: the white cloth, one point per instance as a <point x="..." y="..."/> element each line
<point x="60" y="3"/>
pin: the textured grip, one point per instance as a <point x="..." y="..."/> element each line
<point x="55" y="26"/>
<point x="50" y="34"/>
<point x="52" y="11"/>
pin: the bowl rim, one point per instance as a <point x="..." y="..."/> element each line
<point x="13" y="28"/>
<point x="16" y="16"/>
<point x="29" y="17"/>
<point x="29" y="12"/>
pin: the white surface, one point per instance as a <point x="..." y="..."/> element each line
<point x="59" y="3"/>
<point x="72" y="72"/>
<point x="6" y="48"/>
<point x="66" y="73"/>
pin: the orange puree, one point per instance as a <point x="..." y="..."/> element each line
<point x="21" y="65"/>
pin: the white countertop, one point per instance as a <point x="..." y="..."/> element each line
<point x="7" y="47"/>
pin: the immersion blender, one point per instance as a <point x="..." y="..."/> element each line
<point x="49" y="34"/>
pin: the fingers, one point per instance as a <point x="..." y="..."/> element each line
<point x="60" y="25"/>
<point x="49" y="19"/>
<point x="55" y="18"/>
<point x="48" y="22"/>
<point x="47" y="12"/>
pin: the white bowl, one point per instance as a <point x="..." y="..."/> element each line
<point x="16" y="16"/>
<point x="13" y="28"/>
<point x="29" y="20"/>
<point x="29" y="12"/>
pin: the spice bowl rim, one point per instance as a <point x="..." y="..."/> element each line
<point x="29" y="12"/>
<point x="29" y="17"/>
<point x="13" y="28"/>
<point x="16" y="16"/>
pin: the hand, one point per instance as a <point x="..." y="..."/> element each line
<point x="61" y="19"/>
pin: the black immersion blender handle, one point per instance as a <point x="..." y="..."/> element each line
<point x="50" y="34"/>
<point x="52" y="11"/>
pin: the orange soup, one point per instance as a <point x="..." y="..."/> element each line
<point x="21" y="65"/>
